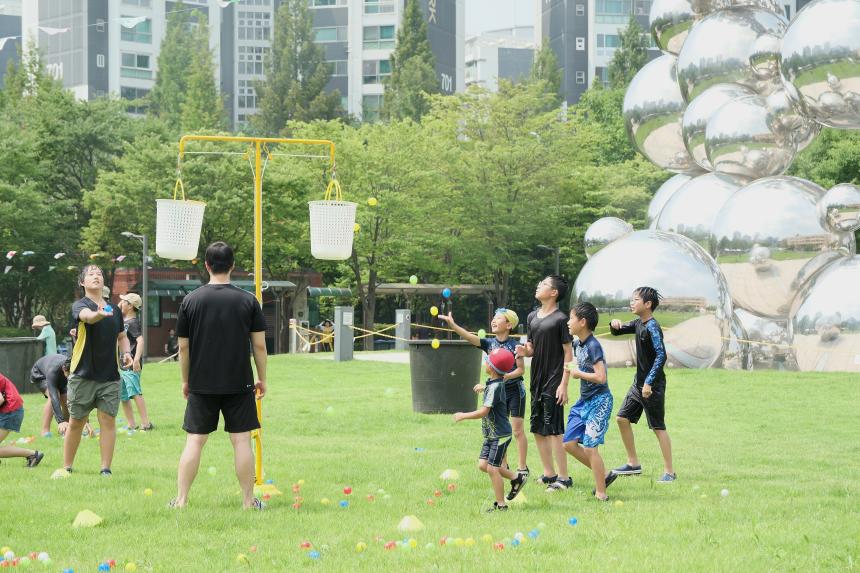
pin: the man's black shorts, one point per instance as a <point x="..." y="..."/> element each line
<point x="202" y="410"/>
<point x="654" y="406"/>
<point x="494" y="450"/>
<point x="547" y="417"/>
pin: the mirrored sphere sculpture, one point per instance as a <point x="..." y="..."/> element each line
<point x="690" y="282"/>
<point x="769" y="341"/>
<point x="603" y="231"/>
<point x="666" y="190"/>
<point x="699" y="111"/>
<point x="839" y="208"/>
<point x="670" y="22"/>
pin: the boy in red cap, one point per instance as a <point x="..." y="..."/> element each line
<point x="495" y="425"/>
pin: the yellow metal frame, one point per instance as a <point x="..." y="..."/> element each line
<point x="259" y="143"/>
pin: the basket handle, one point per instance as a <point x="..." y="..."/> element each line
<point x="179" y="187"/>
<point x="333" y="188"/>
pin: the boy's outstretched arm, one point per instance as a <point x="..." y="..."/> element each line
<point x="464" y="334"/>
<point x="475" y="415"/>
<point x="617" y="328"/>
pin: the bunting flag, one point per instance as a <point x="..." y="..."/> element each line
<point x="120" y="258"/>
<point x="30" y="269"/>
<point x="9" y="255"/>
<point x="58" y="256"/>
<point x="8" y="268"/>
<point x="27" y="253"/>
<point x="53" y="31"/>
<point x="52" y="267"/>
<point x="131" y="22"/>
<point x="71" y="267"/>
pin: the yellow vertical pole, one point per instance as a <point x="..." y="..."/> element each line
<point x="258" y="288"/>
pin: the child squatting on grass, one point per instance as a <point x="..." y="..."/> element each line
<point x="495" y="425"/>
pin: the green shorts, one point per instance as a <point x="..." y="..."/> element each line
<point x="84" y="395"/>
<point x="129" y="386"/>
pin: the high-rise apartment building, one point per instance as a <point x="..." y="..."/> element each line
<point x="505" y="54"/>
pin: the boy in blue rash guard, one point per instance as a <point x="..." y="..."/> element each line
<point x="589" y="417"/>
<point x="648" y="391"/>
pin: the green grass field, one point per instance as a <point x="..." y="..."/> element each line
<point x="784" y="445"/>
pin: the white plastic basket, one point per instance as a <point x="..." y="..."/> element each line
<point x="178" y="223"/>
<point x="332" y="225"/>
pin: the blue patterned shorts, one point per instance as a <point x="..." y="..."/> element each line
<point x="589" y="420"/>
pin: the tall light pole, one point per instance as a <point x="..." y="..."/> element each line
<point x="553" y="250"/>
<point x="145" y="289"/>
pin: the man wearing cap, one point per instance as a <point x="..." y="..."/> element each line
<point x="130" y="389"/>
<point x="46" y="333"/>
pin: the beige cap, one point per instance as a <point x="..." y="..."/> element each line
<point x="132" y="299"/>
<point x="39" y="321"/>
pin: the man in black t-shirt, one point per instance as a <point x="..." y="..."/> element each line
<point x="94" y="374"/>
<point x="215" y="325"/>
<point x="549" y="345"/>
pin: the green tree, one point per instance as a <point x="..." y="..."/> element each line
<point x="413" y="69"/>
<point x="203" y="108"/>
<point x="630" y="57"/>
<point x="296" y="74"/>
<point x="546" y="69"/>
<point x="175" y="56"/>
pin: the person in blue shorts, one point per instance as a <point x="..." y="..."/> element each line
<point x="504" y="322"/>
<point x="589" y="417"/>
<point x="495" y="425"/>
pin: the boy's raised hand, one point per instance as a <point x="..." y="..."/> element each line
<point x="478" y="388"/>
<point x="520" y="351"/>
<point x="616" y="324"/>
<point x="446" y="317"/>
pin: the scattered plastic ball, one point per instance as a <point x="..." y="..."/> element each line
<point x="459" y="542"/>
<point x="619" y="503"/>
<point x="344" y="503"/>
<point x="430" y="501"/>
<point x="347" y="490"/>
<point x="360" y="547"/>
<point x="130" y="566"/>
<point x="434" y="343"/>
<point x="390" y="545"/>
<point x="68" y="570"/>
<point x="469" y="542"/>
<point x="296" y="488"/>
<point x="43" y="556"/>
<point x="434" y="311"/>
<point x="515" y="543"/>
<point x="482" y="333"/>
<point x="372" y="201"/>
<point x="443" y="540"/>
<point x="297" y="505"/>
<point x="271" y="481"/>
<point x="314" y="554"/>
<point x="541" y="525"/>
<point x="452" y="487"/>
<point x="487" y="538"/>
<point x="437" y="493"/>
<point x="300" y="482"/>
<point x="499" y="546"/>
<point x="252" y="549"/>
<point x="572" y="521"/>
<point x="519" y="535"/>
<point x="325" y="501"/>
<point x="147" y="491"/>
<point x="241" y="558"/>
<point x="8" y="555"/>
<point x="104" y="567"/>
<point x="446" y="292"/>
<point x="413" y="543"/>
<point x="212" y="470"/>
<point x="413" y="280"/>
<point x="534" y="533"/>
<point x="266" y="497"/>
<point x="371" y="498"/>
<point x="724" y="493"/>
<point x="306" y="545"/>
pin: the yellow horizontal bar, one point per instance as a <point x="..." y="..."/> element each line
<point x="245" y="139"/>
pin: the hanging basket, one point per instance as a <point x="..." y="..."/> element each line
<point x="178" y="223"/>
<point x="332" y="225"/>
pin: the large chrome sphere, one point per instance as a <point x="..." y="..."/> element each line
<point x="825" y="319"/>
<point x="769" y="341"/>
<point x="670" y="21"/>
<point x="739" y="140"/>
<point x="737" y="355"/>
<point x="698" y="113"/>
<point x="740" y="46"/>
<point x="653" y="108"/>
<point x="820" y="61"/>
<point x="663" y="194"/>
<point x="692" y="209"/>
<point x="603" y="231"/>
<point x="769" y="241"/>
<point x="839" y="208"/>
<point x="686" y="276"/>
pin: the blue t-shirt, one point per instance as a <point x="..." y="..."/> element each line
<point x="588" y="353"/>
<point x="495" y="424"/>
<point x="489" y="344"/>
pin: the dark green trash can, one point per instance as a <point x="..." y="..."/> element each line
<point x="443" y="378"/>
<point x="17" y="356"/>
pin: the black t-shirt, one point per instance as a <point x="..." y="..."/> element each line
<point x="650" y="350"/>
<point x="133" y="331"/>
<point x="217" y="320"/>
<point x="49" y="369"/>
<point x="94" y="355"/>
<point x="548" y="336"/>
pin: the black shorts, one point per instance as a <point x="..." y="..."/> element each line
<point x="494" y="450"/>
<point x="515" y="396"/>
<point x="202" y="410"/>
<point x="547" y="417"/>
<point x="654" y="406"/>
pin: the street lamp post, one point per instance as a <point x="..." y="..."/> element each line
<point x="555" y="250"/>
<point x="145" y="289"/>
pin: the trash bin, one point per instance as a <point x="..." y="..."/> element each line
<point x="17" y="356"/>
<point x="443" y="378"/>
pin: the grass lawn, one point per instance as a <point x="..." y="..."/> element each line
<point x="785" y="446"/>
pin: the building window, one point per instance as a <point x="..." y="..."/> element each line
<point x="613" y="11"/>
<point x="325" y="3"/>
<point x="251" y="60"/>
<point x="141" y="3"/>
<point x="378" y="6"/>
<point x="580" y="9"/>
<point x="247" y="96"/>
<point x="135" y="66"/>
<point x="255" y="2"/>
<point x="375" y="71"/>
<point x="100" y="60"/>
<point x="602" y="75"/>
<point x="254" y="25"/>
<point x="337" y="68"/>
<point x="607" y="43"/>
<point x="330" y="34"/>
<point x="641" y="7"/>
<point x="100" y="25"/>
<point x="370" y="107"/>
<point x="580" y="77"/>
<point x="378" y="37"/>
<point x="142" y="33"/>
<point x="580" y="43"/>
<point x="135" y="98"/>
